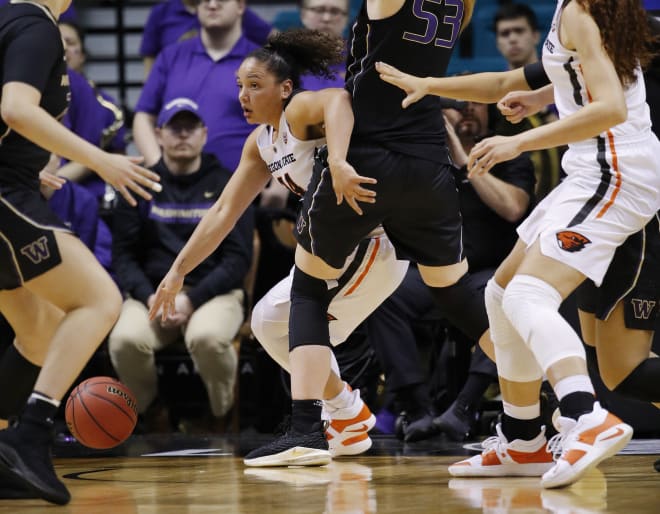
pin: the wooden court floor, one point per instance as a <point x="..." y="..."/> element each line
<point x="207" y="476"/>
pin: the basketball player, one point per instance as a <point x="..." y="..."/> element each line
<point x="417" y="203"/>
<point x="283" y="147"/>
<point x="54" y="293"/>
<point x="612" y="191"/>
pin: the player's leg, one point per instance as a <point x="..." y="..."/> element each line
<point x="531" y="302"/>
<point x="519" y="446"/>
<point x="86" y="294"/>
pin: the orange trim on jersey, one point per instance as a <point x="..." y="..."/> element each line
<point x="615" y="164"/>
<point x="370" y="263"/>
<point x="615" y="167"/>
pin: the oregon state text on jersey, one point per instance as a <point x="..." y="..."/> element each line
<point x="288" y="158"/>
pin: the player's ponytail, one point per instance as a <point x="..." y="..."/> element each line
<point x="291" y="53"/>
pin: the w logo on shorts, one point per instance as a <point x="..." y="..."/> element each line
<point x="642" y="308"/>
<point x="37" y="251"/>
<point x="571" y="241"/>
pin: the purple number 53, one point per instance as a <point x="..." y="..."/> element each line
<point x="432" y="23"/>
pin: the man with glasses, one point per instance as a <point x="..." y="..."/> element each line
<point x="209" y="311"/>
<point x="329" y="16"/>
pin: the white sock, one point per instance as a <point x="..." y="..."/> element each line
<point x="44" y="398"/>
<point x="573" y="384"/>
<point x="342" y="400"/>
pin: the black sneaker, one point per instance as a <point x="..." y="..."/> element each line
<point x="657" y="465"/>
<point x="420" y="428"/>
<point x="292" y="449"/>
<point x="457" y="422"/>
<point x="26" y="461"/>
<point x="12" y="489"/>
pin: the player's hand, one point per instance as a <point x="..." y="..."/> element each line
<point x="125" y="175"/>
<point x="348" y="185"/>
<point x="517" y="105"/>
<point x="491" y="151"/>
<point x="164" y="301"/>
<point x="46" y="178"/>
<point x="414" y="87"/>
<point x="183" y="308"/>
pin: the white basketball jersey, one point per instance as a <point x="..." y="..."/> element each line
<point x="289" y="159"/>
<point x="571" y="93"/>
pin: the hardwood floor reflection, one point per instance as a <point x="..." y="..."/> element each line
<point x="384" y="484"/>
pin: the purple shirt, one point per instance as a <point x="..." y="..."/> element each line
<point x="314" y="83"/>
<point x="78" y="209"/>
<point x="186" y="70"/>
<point x="169" y="22"/>
<point x="88" y="119"/>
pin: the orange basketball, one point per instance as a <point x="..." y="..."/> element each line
<point x="101" y="412"/>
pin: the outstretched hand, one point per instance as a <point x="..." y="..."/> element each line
<point x="347" y="185"/>
<point x="414" y="87"/>
<point x="164" y="301"/>
<point x="125" y="174"/>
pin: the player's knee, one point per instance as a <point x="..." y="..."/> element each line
<point x="310" y="298"/>
<point x="525" y="301"/>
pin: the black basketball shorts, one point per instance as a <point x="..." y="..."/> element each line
<point x="633" y="277"/>
<point x="417" y="204"/>
<point x="27" y="240"/>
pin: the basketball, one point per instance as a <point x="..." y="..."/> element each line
<point x="101" y="412"/>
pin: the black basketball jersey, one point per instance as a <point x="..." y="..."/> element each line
<point x="31" y="52"/>
<point x="419" y="40"/>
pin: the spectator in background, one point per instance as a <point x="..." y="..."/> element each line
<point x="78" y="209"/>
<point x="147" y="240"/>
<point x="492" y="206"/>
<point x="204" y="69"/>
<point x="517" y="37"/>
<point x="93" y="114"/>
<point x="173" y="21"/>
<point x="326" y="16"/>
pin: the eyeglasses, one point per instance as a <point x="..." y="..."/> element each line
<point x="320" y="10"/>
<point x="200" y="2"/>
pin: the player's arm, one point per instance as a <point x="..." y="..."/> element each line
<point x="332" y="107"/>
<point x="480" y="87"/>
<point x="250" y="177"/>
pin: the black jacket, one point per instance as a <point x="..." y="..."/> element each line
<point x="148" y="238"/>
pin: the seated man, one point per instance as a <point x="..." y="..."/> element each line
<point x="209" y="312"/>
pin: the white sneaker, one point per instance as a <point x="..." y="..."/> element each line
<point x="502" y="458"/>
<point x="583" y="444"/>
<point x="347" y="432"/>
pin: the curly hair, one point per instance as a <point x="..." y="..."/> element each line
<point x="292" y="53"/>
<point x="625" y="32"/>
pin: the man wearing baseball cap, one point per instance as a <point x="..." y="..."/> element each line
<point x="209" y="311"/>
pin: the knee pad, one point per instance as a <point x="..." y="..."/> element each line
<point x="463" y="305"/>
<point x="642" y="383"/>
<point x="532" y="306"/>
<point x="515" y="361"/>
<point x="308" y="322"/>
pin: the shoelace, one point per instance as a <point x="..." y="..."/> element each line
<point x="555" y="445"/>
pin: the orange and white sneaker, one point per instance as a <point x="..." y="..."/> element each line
<point x="502" y="458"/>
<point x="583" y="444"/>
<point x="347" y="431"/>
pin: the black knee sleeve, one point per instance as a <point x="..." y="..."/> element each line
<point x="308" y="323"/>
<point x="642" y="383"/>
<point x="17" y="378"/>
<point x="463" y="305"/>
